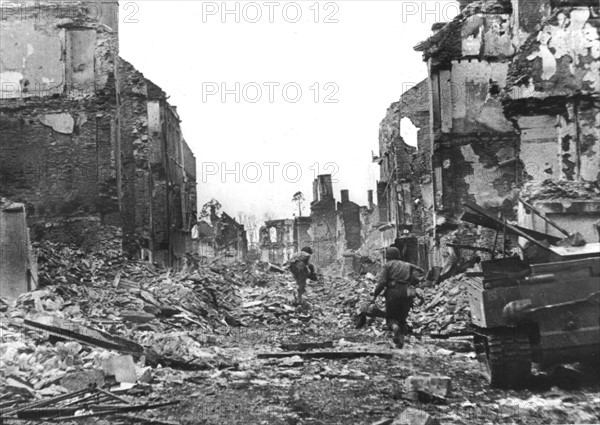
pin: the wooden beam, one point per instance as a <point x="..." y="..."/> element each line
<point x="325" y="354"/>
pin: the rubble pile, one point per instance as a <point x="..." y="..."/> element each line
<point x="108" y="289"/>
<point x="92" y="300"/>
<point x="445" y="308"/>
<point x="270" y="301"/>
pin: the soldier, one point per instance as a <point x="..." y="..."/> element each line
<point x="397" y="278"/>
<point x="302" y="270"/>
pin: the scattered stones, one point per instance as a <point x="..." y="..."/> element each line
<point x="76" y="381"/>
<point x="445" y="310"/>
<point x="121" y="367"/>
<point x="435" y="385"/>
<point x="411" y="416"/>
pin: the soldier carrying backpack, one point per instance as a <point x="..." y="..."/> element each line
<point x="302" y="270"/>
<point x="397" y="278"/>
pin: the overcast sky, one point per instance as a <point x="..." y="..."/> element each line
<point x="309" y="96"/>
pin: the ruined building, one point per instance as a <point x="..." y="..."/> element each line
<point x="282" y="239"/>
<point x="302" y="232"/>
<point x="553" y="99"/>
<point x="89" y="143"/>
<point x="350" y="215"/>
<point x="405" y="185"/>
<point x="334" y="228"/>
<point x="326" y="229"/>
<point x="277" y="242"/>
<point x="473" y="143"/>
<point x="229" y="239"/>
<point x="512" y="111"/>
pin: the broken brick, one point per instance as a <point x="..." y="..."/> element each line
<point x="411" y="416"/>
<point x="436" y="385"/>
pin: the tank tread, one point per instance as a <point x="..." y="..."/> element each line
<point x="508" y="358"/>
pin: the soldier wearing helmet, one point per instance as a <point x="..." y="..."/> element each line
<point x="397" y="279"/>
<point x="302" y="270"/>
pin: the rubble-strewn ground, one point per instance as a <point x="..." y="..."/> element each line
<point x="190" y="321"/>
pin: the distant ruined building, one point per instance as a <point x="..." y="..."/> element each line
<point x="510" y="108"/>
<point x="88" y="142"/>
<point x="332" y="229"/>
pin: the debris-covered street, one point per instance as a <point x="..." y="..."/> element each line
<point x="224" y="344"/>
<point x="300" y="213"/>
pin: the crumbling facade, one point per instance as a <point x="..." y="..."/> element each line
<point x="553" y="99"/>
<point x="350" y="215"/>
<point x="302" y="232"/>
<point x="88" y="142"/>
<point x="334" y="227"/>
<point x="513" y="111"/>
<point x="228" y="237"/>
<point x="277" y="241"/>
<point x="405" y="186"/>
<point x="326" y="230"/>
<point x="474" y="145"/>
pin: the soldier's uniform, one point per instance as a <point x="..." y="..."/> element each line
<point x="301" y="270"/>
<point x="395" y="278"/>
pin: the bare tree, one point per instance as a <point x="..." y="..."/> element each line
<point x="298" y="198"/>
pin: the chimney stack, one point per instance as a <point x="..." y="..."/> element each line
<point x="325" y="187"/>
<point x="370" y="199"/>
<point x="345" y="195"/>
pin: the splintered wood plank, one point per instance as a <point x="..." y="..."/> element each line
<point x="325" y="354"/>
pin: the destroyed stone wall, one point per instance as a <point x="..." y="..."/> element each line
<point x="277" y="245"/>
<point x="324" y="231"/>
<point x="72" y="153"/>
<point x="415" y="106"/>
<point x="395" y="159"/>
<point x="327" y="233"/>
<point x="498" y="123"/>
<point x="350" y="214"/>
<point x="475" y="146"/>
<point x="413" y="182"/>
<point x="57" y="114"/>
<point x="405" y="192"/>
<point x="133" y="139"/>
<point x="229" y="237"/>
<point x="553" y="98"/>
<point x="302" y="232"/>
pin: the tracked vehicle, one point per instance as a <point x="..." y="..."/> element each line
<point x="545" y="310"/>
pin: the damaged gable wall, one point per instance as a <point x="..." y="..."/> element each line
<point x="159" y="169"/>
<point x="58" y="116"/>
<point x="277" y="241"/>
<point x="514" y="99"/>
<point x="350" y="215"/>
<point x="553" y="97"/>
<point x="475" y="147"/>
<point x="556" y="63"/>
<point x="327" y="232"/>
<point x="76" y="156"/>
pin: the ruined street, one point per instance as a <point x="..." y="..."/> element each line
<point x="299" y="212"/>
<point x="227" y="346"/>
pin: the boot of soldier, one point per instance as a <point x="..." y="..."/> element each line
<point x="395" y="331"/>
<point x="399" y="340"/>
<point x="398" y="336"/>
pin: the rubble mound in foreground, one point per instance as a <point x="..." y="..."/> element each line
<point x="95" y="306"/>
<point x="445" y="308"/>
